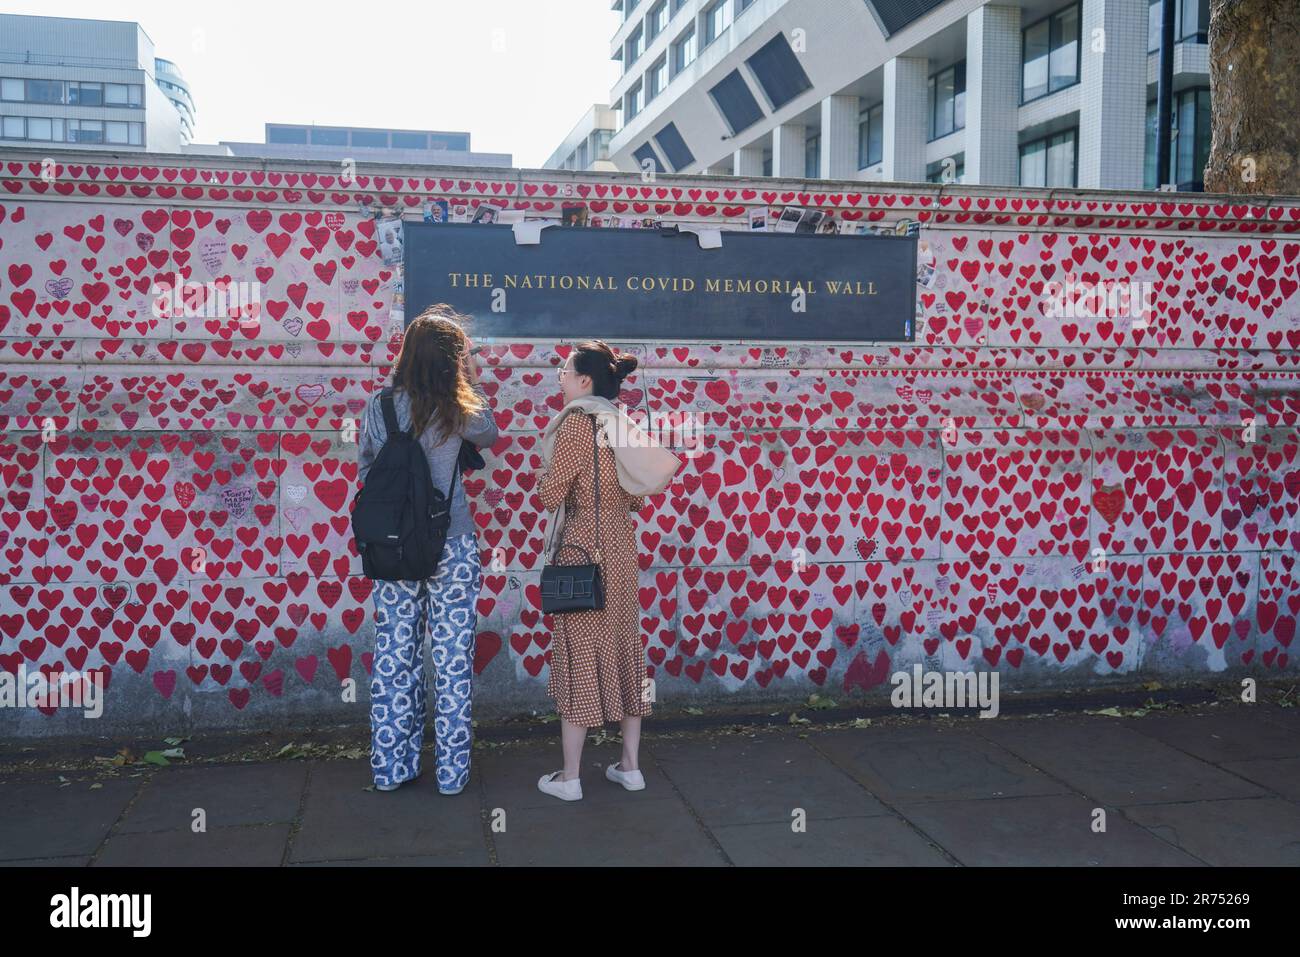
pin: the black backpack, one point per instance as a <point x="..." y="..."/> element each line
<point x="399" y="520"/>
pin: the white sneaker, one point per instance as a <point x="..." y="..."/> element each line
<point x="632" y="780"/>
<point x="564" y="790"/>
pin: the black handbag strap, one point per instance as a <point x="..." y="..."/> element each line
<point x="595" y="455"/>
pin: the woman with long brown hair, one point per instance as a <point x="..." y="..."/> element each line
<point x="436" y="397"/>
<point x="600" y="468"/>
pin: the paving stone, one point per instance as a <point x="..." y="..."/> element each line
<point x="1235" y="833"/>
<point x="41" y="819"/>
<point x="259" y="846"/>
<point x="642" y="833"/>
<point x="1239" y="735"/>
<point x="1280" y="775"/>
<point x="932" y="763"/>
<point x="1044" y="831"/>
<point x="1114" y="764"/>
<point x="740" y="780"/>
<point x="857" y="841"/>
<point x="343" y="821"/>
<point x="231" y="795"/>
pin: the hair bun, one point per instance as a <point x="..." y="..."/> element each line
<point x="624" y="363"/>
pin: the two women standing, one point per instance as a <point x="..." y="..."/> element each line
<point x="598" y="670"/>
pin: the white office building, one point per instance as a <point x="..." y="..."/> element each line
<point x="92" y="83"/>
<point x="587" y="145"/>
<point x="995" y="92"/>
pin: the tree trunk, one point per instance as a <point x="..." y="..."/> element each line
<point x="1254" y="97"/>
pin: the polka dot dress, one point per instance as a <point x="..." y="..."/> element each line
<point x="598" y="666"/>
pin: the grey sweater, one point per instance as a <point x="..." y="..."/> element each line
<point x="481" y="429"/>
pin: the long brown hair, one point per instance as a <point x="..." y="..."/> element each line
<point x="431" y="371"/>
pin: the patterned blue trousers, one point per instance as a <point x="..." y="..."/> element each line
<point x="444" y="606"/>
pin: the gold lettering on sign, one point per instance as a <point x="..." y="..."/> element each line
<point x="728" y="285"/>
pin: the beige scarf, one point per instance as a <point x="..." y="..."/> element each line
<point x="644" y="467"/>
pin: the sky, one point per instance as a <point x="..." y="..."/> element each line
<point x="516" y="74"/>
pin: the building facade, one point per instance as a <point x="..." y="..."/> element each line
<point x="996" y="92"/>
<point x="90" y="84"/>
<point x="371" y="144"/>
<point x="587" y="145"/>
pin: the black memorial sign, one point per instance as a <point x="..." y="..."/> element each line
<point x="646" y="284"/>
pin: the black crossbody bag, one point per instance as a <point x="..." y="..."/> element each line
<point x="576" y="587"/>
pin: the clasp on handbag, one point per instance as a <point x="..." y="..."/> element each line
<point x="564" y="587"/>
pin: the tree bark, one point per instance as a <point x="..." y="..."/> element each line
<point x="1254" y="97"/>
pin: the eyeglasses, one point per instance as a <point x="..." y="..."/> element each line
<point x="561" y="373"/>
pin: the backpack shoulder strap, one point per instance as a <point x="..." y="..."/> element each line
<point x="390" y="411"/>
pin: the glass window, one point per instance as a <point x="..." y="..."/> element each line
<point x="634" y="101"/>
<point x="11" y="89"/>
<point x="323" y="137"/>
<point x="778" y="71"/>
<point x="410" y="141"/>
<point x="767" y="162"/>
<point x="1064" y="68"/>
<point x="137" y="132"/>
<point x="286" y="134"/>
<point x="40" y="128"/>
<point x="658" y="77"/>
<point x="658" y="19"/>
<point x="375" y="139"/>
<point x="871" y="136"/>
<point x="948" y="100"/>
<point x="812" y="148"/>
<point x="950" y="170"/>
<point x="1192" y="145"/>
<point x="1060" y="159"/>
<point x="115" y="131"/>
<point x="1149" y="167"/>
<point x="736" y="103"/>
<point x="1050" y="54"/>
<point x="1189" y="129"/>
<point x="635" y="47"/>
<point x="115" y="94"/>
<point x="85" y="131"/>
<point x="47" y="91"/>
<point x="86" y="94"/>
<point x="716" y="20"/>
<point x="684" y="51"/>
<point x="646" y="159"/>
<point x="13" y="129"/>
<point x="674" y="147"/>
<point x="1049" y="161"/>
<point x="1037" y="46"/>
<point x="1193" y="22"/>
<point x="136" y="96"/>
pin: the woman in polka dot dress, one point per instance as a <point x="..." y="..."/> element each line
<point x="598" y="665"/>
